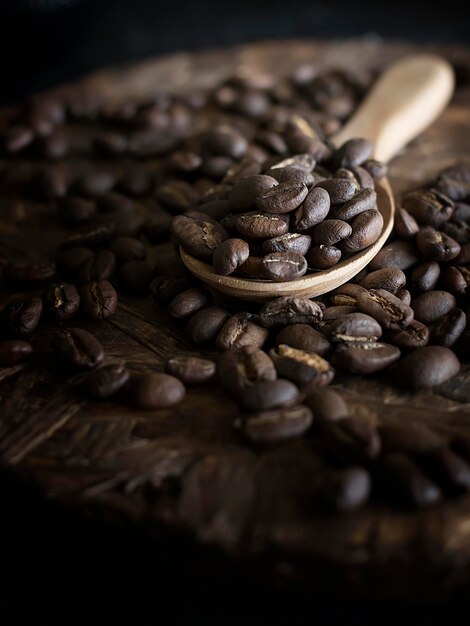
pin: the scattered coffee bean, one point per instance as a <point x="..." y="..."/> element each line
<point x="290" y="242"/>
<point x="327" y="406"/>
<point x="436" y="245"/>
<point x="268" y="394"/>
<point x="239" y="331"/>
<point x="413" y="438"/>
<point x="431" y="305"/>
<point x="323" y="257"/>
<point x="268" y="427"/>
<point x="155" y="391"/>
<point x="366" y="229"/>
<point x="414" y="335"/>
<point x="365" y="357"/>
<point x="283" y="266"/>
<point x="106" y="381"/>
<point x="301" y="367"/>
<point x="62" y="301"/>
<point x="429" y="207"/>
<point x="79" y="348"/>
<point x="290" y="310"/>
<point x="191" y="370"/>
<point x="206" y="324"/>
<point x="386" y="308"/>
<point x="354" y="327"/>
<point x="98" y="300"/>
<point x="229" y="255"/>
<point x="428" y="367"/>
<point x="303" y="337"/>
<point x="281" y="198"/>
<point x="448" y="328"/>
<point x="238" y="369"/>
<point x="390" y="279"/>
<point x="13" y="352"/>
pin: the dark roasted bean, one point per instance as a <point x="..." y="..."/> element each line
<point x="268" y="427"/>
<point x="98" y="300"/>
<point x="329" y="232"/>
<point x="62" y="301"/>
<point x="428" y="367"/>
<point x="327" y="406"/>
<point x="436" y="246"/>
<point x="136" y="183"/>
<point x="448" y="328"/>
<point x="127" y="249"/>
<point x="243" y="195"/>
<point x="376" y="169"/>
<point x="323" y="257"/>
<point x="457" y="279"/>
<point x="238" y="369"/>
<point x="428" y="206"/>
<point x="226" y="141"/>
<point x="192" y="370"/>
<point x="79" y="348"/>
<point x="366" y="229"/>
<point x="405" y="224"/>
<point x="20" y="317"/>
<point x="338" y="312"/>
<point x="449" y="470"/>
<point x="351" y="440"/>
<point x="414" y="335"/>
<point x="106" y="381"/>
<point x="431" y="305"/>
<point x="164" y="288"/>
<point x="257" y="225"/>
<point x="188" y="302"/>
<point x="353" y="152"/>
<point x="95" y="183"/>
<point x="283" y="266"/>
<point x="268" y="394"/>
<point x="252" y="267"/>
<point x="199" y="238"/>
<point x="290" y="310"/>
<point x="177" y="195"/>
<point x="404" y="295"/>
<point x="313" y="209"/>
<point x="239" y="331"/>
<point x="155" y="391"/>
<point x="365" y="200"/>
<point x="282" y="198"/>
<point x="387" y="309"/>
<point x="424" y="276"/>
<point x="339" y="189"/>
<point x="401" y="479"/>
<point x="229" y="255"/>
<point x="301" y="367"/>
<point x="92" y="236"/>
<point x="354" y="327"/>
<point x="14" y="351"/>
<point x="358" y="175"/>
<point x="206" y="324"/>
<point x="365" y="357"/>
<point x="398" y="254"/>
<point x="293" y="175"/>
<point x="388" y="278"/>
<point x="303" y="337"/>
<point x="290" y="242"/>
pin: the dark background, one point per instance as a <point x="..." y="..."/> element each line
<point x="40" y="47"/>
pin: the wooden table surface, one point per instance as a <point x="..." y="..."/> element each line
<point x="210" y="489"/>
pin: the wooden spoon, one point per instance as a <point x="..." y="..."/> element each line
<point x="406" y="99"/>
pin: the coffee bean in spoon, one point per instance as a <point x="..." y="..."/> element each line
<point x="283" y="266"/>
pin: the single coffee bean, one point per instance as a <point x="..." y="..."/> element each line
<point x="20" y="317"/>
<point x="243" y="195"/>
<point x="327" y="406"/>
<point x="290" y="310"/>
<point x="365" y="200"/>
<point x="229" y="255"/>
<point x="62" y="301"/>
<point x="428" y="367"/>
<point x="424" y="276"/>
<point x="414" y="335"/>
<point x="282" y="198"/>
<point x="351" y="440"/>
<point x="448" y="328"/>
<point x="303" y="337"/>
<point x="358" y="175"/>
<point x="388" y="278"/>
<point x="293" y="175"/>
<point x="243" y="169"/>
<point x="177" y="195"/>
<point x="353" y="152"/>
<point x="257" y="225"/>
<point x="332" y="313"/>
<point x="436" y="246"/>
<point x="290" y="242"/>
<point x="69" y="261"/>
<point x="413" y="438"/>
<point x="164" y="289"/>
<point x="95" y="183"/>
<point x="404" y="295"/>
<point x="354" y="327"/>
<point x="227" y="141"/>
<point x="347" y="489"/>
<point x="127" y="249"/>
<point x="155" y="391"/>
<point x="98" y="300"/>
<point x="431" y="305"/>
<point x="366" y="229"/>
<point x="106" y="381"/>
<point x="405" y="224"/>
<point x="192" y="370"/>
<point x="268" y="427"/>
<point x="463" y="257"/>
<point x="74" y="210"/>
<point x="454" y="182"/>
<point x="13" y="352"/>
<point x="313" y="209"/>
<point x="428" y="206"/>
<point x="99" y="267"/>
<point x="376" y="169"/>
<point x="305" y="162"/>
<point x="386" y="308"/>
<point x="188" y="302"/>
<point x="351" y="289"/>
<point x="79" y="348"/>
<point x="206" y="324"/>
<point x="268" y="394"/>
<point x="399" y="254"/>
<point x="301" y="367"/>
<point x="330" y="232"/>
<point x="365" y="357"/>
<point x="92" y="236"/>
<point x="198" y="238"/>
<point x="24" y="274"/>
<point x="238" y="369"/>
<point x="449" y="470"/>
<point x="323" y="257"/>
<point x="339" y="189"/>
<point x="135" y="276"/>
<point x="401" y="479"/>
<point x="283" y="266"/>
<point x="239" y="331"/>
<point x="457" y="279"/>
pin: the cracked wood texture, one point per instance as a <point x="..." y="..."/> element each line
<point x="183" y="473"/>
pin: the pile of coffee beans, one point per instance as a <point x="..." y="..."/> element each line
<point x="245" y="178"/>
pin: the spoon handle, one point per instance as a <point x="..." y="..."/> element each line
<point x="404" y="101"/>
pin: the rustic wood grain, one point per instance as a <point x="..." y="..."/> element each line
<point x="186" y="469"/>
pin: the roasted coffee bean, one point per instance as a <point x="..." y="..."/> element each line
<point x="303" y="337"/>
<point x="353" y="152"/>
<point x="268" y="427"/>
<point x="62" y="301"/>
<point x="365" y="357"/>
<point x="98" y="300"/>
<point x="448" y="328"/>
<point x="457" y="279"/>
<point x="301" y="367"/>
<point x="436" y="246"/>
<point x="350" y="289"/>
<point x="337" y="312"/>
<point x="290" y="310"/>
<point x="449" y="470"/>
<point x="313" y="209"/>
<point x="282" y="198"/>
<point x="252" y="267"/>
<point x="192" y="370"/>
<point x="339" y="299"/>
<point x="351" y="440"/>
<point x="135" y="277"/>
<point x="293" y="175"/>
<point x="164" y="289"/>
<point x="401" y="479"/>
<point x="330" y="232"/>
<point x="177" y="195"/>
<point x="155" y="391"/>
<point x="243" y="195"/>
<point x="431" y="305"/>
<point x="99" y="267"/>
<point x="399" y="254"/>
<point x="413" y="438"/>
<point x="74" y="210"/>
<point x="198" y="238"/>
<point x="462" y="211"/>
<point x="91" y="236"/>
<point x="243" y="169"/>
<point x="354" y="327"/>
<point x="127" y="249"/>
<point x="414" y="335"/>
<point x="424" y="276"/>
<point x="24" y="274"/>
<point x="460" y="231"/>
<point x="404" y="295"/>
<point x="257" y="225"/>
<point x="405" y="224"/>
<point x="327" y="406"/>
<point x="136" y="183"/>
<point x="13" y="352"/>
<point x="305" y="162"/>
<point x="271" y="141"/>
<point x="366" y="229"/>
<point x="428" y="206"/>
<point x="206" y="324"/>
<point x="347" y="489"/>
<point x="215" y="192"/>
<point x="79" y="348"/>
<point x="388" y="278"/>
<point x="268" y="394"/>
<point x="188" y="302"/>
<point x="185" y="161"/>
<point x="106" y="381"/>
<point x="454" y="182"/>
<point x="95" y="183"/>
<point x="428" y="367"/>
<point x="358" y="175"/>
<point x="376" y="169"/>
<point x="227" y="141"/>
<point x="20" y="317"/>
<point x="238" y="369"/>
<point x="69" y="261"/>
<point x="229" y="255"/>
<point x="239" y="331"/>
<point x="290" y="242"/>
<point x="386" y="308"/>
<point x="339" y="189"/>
<point x="365" y="200"/>
<point x="323" y="257"/>
<point x="283" y="266"/>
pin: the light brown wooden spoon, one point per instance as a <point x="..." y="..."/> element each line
<point x="406" y="99"/>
